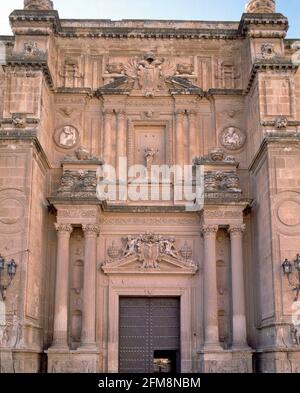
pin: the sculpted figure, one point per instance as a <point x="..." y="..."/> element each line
<point x="68" y="136"/>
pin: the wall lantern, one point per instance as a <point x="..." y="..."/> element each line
<point x="8" y="271"/>
<point x="287" y="268"/>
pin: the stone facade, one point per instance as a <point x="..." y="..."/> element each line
<point x="223" y="96"/>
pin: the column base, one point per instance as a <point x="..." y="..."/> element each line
<point x="226" y="361"/>
<point x="73" y="362"/>
<point x="285" y="360"/>
<point x="87" y="348"/>
<point x="212" y="348"/>
<point x="20" y="361"/>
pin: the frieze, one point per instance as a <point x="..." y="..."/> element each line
<point x="77" y="213"/>
<point x="222" y="213"/>
<point x="149" y="221"/>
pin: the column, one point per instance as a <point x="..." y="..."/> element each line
<point x="211" y="328"/>
<point x="193" y="142"/>
<point x="238" y="287"/>
<point x="121" y="136"/>
<point x="179" y="137"/>
<point x="88" y="336"/>
<point x="60" y="335"/>
<point x="108" y="114"/>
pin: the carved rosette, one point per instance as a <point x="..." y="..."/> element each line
<point x="236" y="230"/>
<point x="63" y="229"/>
<point x="41" y="5"/>
<point x="209" y="230"/>
<point x="91" y="230"/>
<point x="261" y="6"/>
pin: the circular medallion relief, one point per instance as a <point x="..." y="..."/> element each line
<point x="232" y="138"/>
<point x="11" y="211"/>
<point x="66" y="137"/>
<point x="289" y="213"/>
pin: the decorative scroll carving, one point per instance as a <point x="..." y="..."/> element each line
<point x="91" y="229"/>
<point x="215" y="155"/>
<point x="236" y="230"/>
<point x="79" y="184"/>
<point x="216" y="181"/>
<point x="67" y="228"/>
<point x="151" y="250"/>
<point x="209" y="229"/>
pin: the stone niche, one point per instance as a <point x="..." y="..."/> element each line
<point x="148" y="141"/>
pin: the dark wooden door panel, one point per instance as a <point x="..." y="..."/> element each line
<point x="147" y="325"/>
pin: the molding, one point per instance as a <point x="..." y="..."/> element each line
<point x="19" y="17"/>
<point x="34" y="64"/>
<point x="273" y="20"/>
<point x="275" y="64"/>
<point x="286" y="138"/>
<point x="26" y="136"/>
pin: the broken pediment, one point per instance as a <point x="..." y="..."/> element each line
<point x="150" y="254"/>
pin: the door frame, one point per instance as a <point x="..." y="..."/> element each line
<point x="184" y="294"/>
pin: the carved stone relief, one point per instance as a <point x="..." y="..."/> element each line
<point x="232" y="138"/>
<point x="66" y="137"/>
<point x="79" y="184"/>
<point x="150" y="250"/>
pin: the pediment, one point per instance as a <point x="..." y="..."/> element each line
<point x="164" y="265"/>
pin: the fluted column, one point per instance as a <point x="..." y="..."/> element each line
<point x="121" y="135"/>
<point x="88" y="336"/>
<point x="211" y="328"/>
<point x="60" y="334"/>
<point x="179" y="137"/>
<point x="238" y="287"/>
<point x="108" y="115"/>
<point x="192" y="135"/>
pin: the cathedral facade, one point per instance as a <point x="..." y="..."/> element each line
<point x="116" y="272"/>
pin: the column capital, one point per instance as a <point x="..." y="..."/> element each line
<point x="236" y="230"/>
<point x="179" y="113"/>
<point x="91" y="229"/>
<point x="108" y="113"/>
<point x="64" y="228"/>
<point x="209" y="229"/>
<point x="192" y="113"/>
<point x="121" y="113"/>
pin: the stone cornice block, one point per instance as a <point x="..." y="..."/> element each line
<point x="272" y="21"/>
<point x="29" y="21"/>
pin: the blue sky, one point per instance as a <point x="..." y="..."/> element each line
<point x="155" y="9"/>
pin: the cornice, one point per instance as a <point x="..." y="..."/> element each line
<point x="28" y="136"/>
<point x="46" y="17"/>
<point x="32" y="64"/>
<point x="275" y="64"/>
<point x="275" y="21"/>
<point x="276" y="137"/>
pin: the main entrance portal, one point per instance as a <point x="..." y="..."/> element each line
<point x="149" y="335"/>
